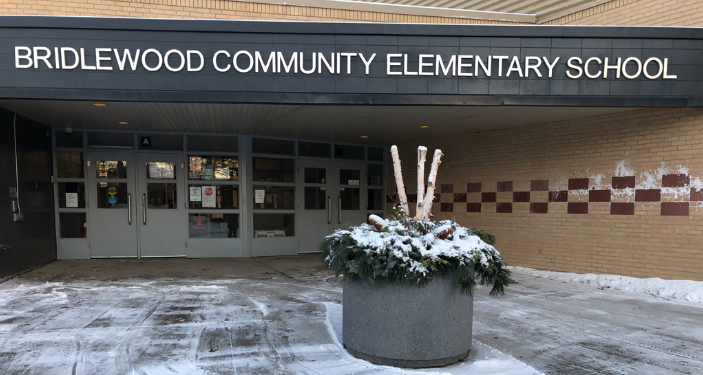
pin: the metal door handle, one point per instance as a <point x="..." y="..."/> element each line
<point x="129" y="208"/>
<point x="339" y="210"/>
<point x="329" y="210"/>
<point x="144" y="206"/>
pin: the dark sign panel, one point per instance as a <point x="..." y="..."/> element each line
<point x="284" y="62"/>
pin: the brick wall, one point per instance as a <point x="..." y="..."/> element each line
<point x="638" y="13"/>
<point x="616" y="194"/>
<point x="211" y="9"/>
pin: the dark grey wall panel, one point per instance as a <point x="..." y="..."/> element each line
<point x="683" y="47"/>
<point x="33" y="240"/>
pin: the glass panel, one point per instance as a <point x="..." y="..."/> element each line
<point x="274" y="197"/>
<point x="213" y="225"/>
<point x="213" y="143"/>
<point x="349" y="152"/>
<point x="274" y="170"/>
<point x="375" y="199"/>
<point x="272" y="146"/>
<point x="314" y="149"/>
<point x="173" y="142"/>
<point x="72" y="225"/>
<point x="351" y="199"/>
<point x="315" y="175"/>
<point x="213" y="167"/>
<point x="349" y="176"/>
<point x="111" y="169"/>
<point x="274" y="225"/>
<point x="225" y="196"/>
<point x="69" y="164"/>
<point x="374" y="153"/>
<point x="112" y="195"/>
<point x="71" y="195"/>
<point x="159" y="170"/>
<point x="375" y="174"/>
<point x="161" y="196"/>
<point x="111" y="140"/>
<point x="315" y="198"/>
<point x="74" y="139"/>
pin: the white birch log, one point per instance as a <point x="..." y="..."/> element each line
<point x="399" y="180"/>
<point x="421" y="154"/>
<point x="429" y="197"/>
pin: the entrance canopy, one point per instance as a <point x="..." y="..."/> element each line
<point x="382" y="125"/>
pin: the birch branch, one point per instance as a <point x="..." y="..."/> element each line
<point x="427" y="208"/>
<point x="421" y="153"/>
<point x="399" y="180"/>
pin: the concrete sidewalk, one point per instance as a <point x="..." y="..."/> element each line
<point x="272" y="316"/>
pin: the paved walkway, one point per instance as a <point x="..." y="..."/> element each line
<point x="272" y="316"/>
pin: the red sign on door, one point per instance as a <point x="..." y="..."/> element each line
<point x="208" y="191"/>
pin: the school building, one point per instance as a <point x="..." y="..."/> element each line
<point x="571" y="130"/>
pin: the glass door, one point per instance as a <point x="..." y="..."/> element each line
<point x="161" y="214"/>
<point x="318" y="194"/>
<point x="351" y="194"/>
<point x="111" y="207"/>
<point x="333" y="196"/>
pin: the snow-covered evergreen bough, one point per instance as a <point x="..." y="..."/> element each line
<point x="409" y="280"/>
<point x="405" y="250"/>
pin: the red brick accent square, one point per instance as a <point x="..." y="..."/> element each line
<point x="696" y="195"/>
<point x="488" y="197"/>
<point x="391" y="198"/>
<point x="559" y="196"/>
<point x="577" y="208"/>
<point x="459" y="197"/>
<point x="676" y="180"/>
<point x="412" y="198"/>
<point x="539" y="185"/>
<point x="622" y="208"/>
<point x="505" y="186"/>
<point x="578" y="183"/>
<point x="447" y="188"/>
<point x="623" y="182"/>
<point x="539" y="208"/>
<point x="648" y="195"/>
<point x="473" y="207"/>
<point x="674" y="208"/>
<point x="504" y="208"/>
<point x="447" y="207"/>
<point x="599" y="195"/>
<point x="521" y="196"/>
<point x="473" y="187"/>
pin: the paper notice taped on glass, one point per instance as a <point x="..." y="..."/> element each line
<point x="71" y="200"/>
<point x="209" y="196"/>
<point x="196" y="193"/>
<point x="259" y="196"/>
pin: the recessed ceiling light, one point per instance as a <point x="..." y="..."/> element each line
<point x="123" y="123"/>
<point x="364" y="136"/>
<point x="100" y="104"/>
<point x="424" y="126"/>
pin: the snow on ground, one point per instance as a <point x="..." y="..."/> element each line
<point x="284" y="325"/>
<point x="679" y="290"/>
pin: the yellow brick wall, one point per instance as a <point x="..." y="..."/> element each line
<point x="646" y="244"/>
<point x="210" y="9"/>
<point x="638" y="13"/>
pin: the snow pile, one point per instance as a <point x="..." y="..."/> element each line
<point x="681" y="290"/>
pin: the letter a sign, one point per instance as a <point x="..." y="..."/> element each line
<point x="144" y="142"/>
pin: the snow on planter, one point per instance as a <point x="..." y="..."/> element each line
<point x="408" y="273"/>
<point x="406" y="250"/>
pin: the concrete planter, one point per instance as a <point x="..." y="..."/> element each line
<point x="407" y="326"/>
